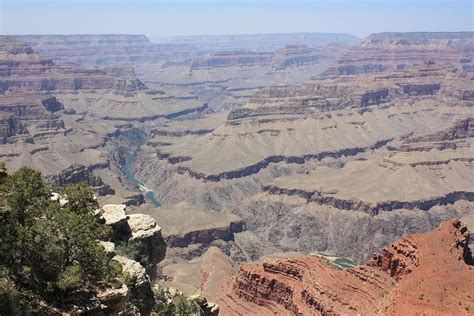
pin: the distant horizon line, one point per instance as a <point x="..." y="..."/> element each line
<point x="232" y="34"/>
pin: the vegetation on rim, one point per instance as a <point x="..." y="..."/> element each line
<point x="48" y="251"/>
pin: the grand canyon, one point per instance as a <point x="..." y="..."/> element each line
<point x="267" y="174"/>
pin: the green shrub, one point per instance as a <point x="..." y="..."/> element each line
<point x="80" y="198"/>
<point x="11" y="301"/>
<point x="48" y="249"/>
<point x="70" y="278"/>
<point x="169" y="304"/>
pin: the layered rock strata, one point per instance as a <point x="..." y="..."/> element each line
<point x="49" y="110"/>
<point x="24" y="116"/>
<point x="23" y="70"/>
<point x="419" y="274"/>
<point x="78" y="173"/>
<point x="285" y="113"/>
<point x="345" y="151"/>
<point x="389" y="51"/>
<point x="288" y="56"/>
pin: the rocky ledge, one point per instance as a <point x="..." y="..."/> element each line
<point x="139" y="231"/>
<point x="183" y="225"/>
<point x="79" y="173"/>
<point x="137" y="245"/>
<point x="420" y="273"/>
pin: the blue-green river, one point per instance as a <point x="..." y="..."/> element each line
<point x="126" y="169"/>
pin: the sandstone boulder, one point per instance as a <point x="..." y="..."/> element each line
<point x="207" y="308"/>
<point x="114" y="216"/>
<point x="57" y="197"/>
<point x="146" y="235"/>
<point x="108" y="246"/>
<point x="112" y="301"/>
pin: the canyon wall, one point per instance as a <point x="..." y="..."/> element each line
<point x="399" y="279"/>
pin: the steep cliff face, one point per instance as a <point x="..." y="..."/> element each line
<point x="139" y="231"/>
<point x="435" y="264"/>
<point x="189" y="232"/>
<point x="137" y="245"/>
<point x="10" y="126"/>
<point x="79" y="173"/>
<point x="461" y="129"/>
<point x="24" y="116"/>
<point x="147" y="236"/>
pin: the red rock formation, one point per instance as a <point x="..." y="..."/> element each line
<point x="429" y="273"/>
<point x="215" y="267"/>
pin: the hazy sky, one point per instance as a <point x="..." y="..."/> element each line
<point x="192" y="17"/>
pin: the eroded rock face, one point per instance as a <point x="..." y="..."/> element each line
<point x="285" y="57"/>
<point x="215" y="267"/>
<point x="300" y="55"/>
<point x="114" y="216"/>
<point x="135" y="200"/>
<point x="460" y="130"/>
<point x="10" y="126"/>
<point x="23" y="116"/>
<point x="140" y="283"/>
<point x="146" y="234"/>
<point x="111" y="301"/>
<point x="139" y="231"/>
<point x="79" y="173"/>
<point x="433" y="265"/>
<point x="324" y="109"/>
<point x="399" y="259"/>
<point x="138" y="246"/>
<point x="52" y="104"/>
<point x="227" y="59"/>
<point x="208" y="308"/>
